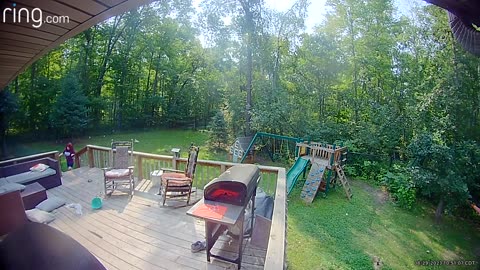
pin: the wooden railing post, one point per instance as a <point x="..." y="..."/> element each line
<point x="56" y="156"/>
<point x="174" y="163"/>
<point x="77" y="162"/>
<point x="139" y="168"/>
<point x="90" y="157"/>
<point x="102" y="160"/>
<point x="223" y="168"/>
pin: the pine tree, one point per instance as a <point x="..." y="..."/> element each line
<point x="70" y="112"/>
<point x="8" y="106"/>
<point x="218" y="127"/>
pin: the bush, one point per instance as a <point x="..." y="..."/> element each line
<point x="219" y="132"/>
<point x="400" y="184"/>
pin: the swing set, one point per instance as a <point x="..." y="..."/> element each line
<point x="276" y="146"/>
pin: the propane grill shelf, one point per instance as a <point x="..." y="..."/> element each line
<point x="224" y="204"/>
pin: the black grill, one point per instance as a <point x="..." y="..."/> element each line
<point x="235" y="186"/>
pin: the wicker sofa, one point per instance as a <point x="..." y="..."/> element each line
<point x="20" y="173"/>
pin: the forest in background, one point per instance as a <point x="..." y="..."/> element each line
<point x="397" y="90"/>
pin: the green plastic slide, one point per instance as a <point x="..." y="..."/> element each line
<point x="295" y="172"/>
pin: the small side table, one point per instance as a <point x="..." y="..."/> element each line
<point x="156" y="178"/>
<point x="32" y="195"/>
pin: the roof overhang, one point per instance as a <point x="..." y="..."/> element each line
<point x="464" y="18"/>
<point x="21" y="44"/>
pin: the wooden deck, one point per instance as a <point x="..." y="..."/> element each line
<point x="139" y="233"/>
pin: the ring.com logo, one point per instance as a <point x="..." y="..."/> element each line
<point x="35" y="15"/>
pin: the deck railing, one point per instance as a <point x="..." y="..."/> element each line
<point x="52" y="154"/>
<point x="145" y="163"/>
<point x="273" y="183"/>
<point x="323" y="151"/>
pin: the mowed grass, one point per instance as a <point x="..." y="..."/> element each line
<point x="154" y="142"/>
<point x="333" y="233"/>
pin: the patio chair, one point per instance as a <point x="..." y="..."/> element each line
<point x="176" y="183"/>
<point x="120" y="173"/>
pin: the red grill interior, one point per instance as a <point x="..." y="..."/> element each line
<point x="234" y="186"/>
<point x="225" y="193"/>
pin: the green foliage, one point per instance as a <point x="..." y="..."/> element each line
<point x="467" y="156"/>
<point x="400" y="185"/>
<point x="218" y="130"/>
<point x="8" y="108"/>
<point x="363" y="162"/>
<point x="436" y="172"/>
<point x="70" y="114"/>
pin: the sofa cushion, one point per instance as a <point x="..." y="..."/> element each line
<point x="30" y="176"/>
<point x="40" y="167"/>
<point x="39" y="216"/>
<point x="117" y="173"/>
<point x="9" y="187"/>
<point x="50" y="204"/>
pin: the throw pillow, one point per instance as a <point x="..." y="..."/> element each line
<point x="9" y="187"/>
<point x="40" y="167"/>
<point x="39" y="216"/>
<point x="50" y="204"/>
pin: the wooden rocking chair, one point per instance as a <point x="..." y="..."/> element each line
<point x="120" y="173"/>
<point x="176" y="183"/>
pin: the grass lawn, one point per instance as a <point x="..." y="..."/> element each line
<point x="155" y="142"/>
<point x="333" y="233"/>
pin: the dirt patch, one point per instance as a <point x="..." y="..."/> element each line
<point x="380" y="195"/>
<point x="377" y="263"/>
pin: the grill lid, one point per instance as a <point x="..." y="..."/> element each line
<point x="235" y="186"/>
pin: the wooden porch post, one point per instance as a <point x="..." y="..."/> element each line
<point x="57" y="158"/>
<point x="140" y="168"/>
<point x="90" y="157"/>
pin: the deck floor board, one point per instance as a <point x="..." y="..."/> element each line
<point x="138" y="232"/>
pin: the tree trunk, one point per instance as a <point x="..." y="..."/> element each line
<point x="355" y="71"/>
<point x="249" y="25"/>
<point x="32" y="103"/>
<point x="3" y="139"/>
<point x="439" y="211"/>
<point x="113" y="38"/>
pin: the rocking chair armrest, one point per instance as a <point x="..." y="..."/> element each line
<point x="171" y="170"/>
<point x="131" y="167"/>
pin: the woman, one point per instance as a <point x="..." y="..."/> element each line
<point x="69" y="153"/>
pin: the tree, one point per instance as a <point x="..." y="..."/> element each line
<point x="8" y="106"/>
<point x="247" y="17"/>
<point x="218" y="127"/>
<point x="70" y="114"/>
<point x="437" y="174"/>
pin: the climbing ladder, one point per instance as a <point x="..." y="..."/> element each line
<point x="344" y="181"/>
<point x="312" y="184"/>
